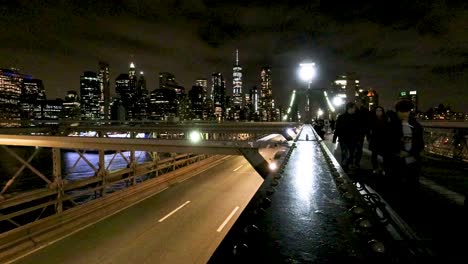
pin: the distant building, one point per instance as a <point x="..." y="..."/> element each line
<point x="49" y="110"/>
<point x="251" y="104"/>
<point x="117" y="109"/>
<point x="218" y="95"/>
<point x="163" y="104"/>
<point x="412" y="96"/>
<point x="32" y="93"/>
<point x="197" y="97"/>
<point x="237" y="83"/>
<point x="346" y="87"/>
<point x="125" y="93"/>
<point x="90" y="94"/>
<point x="132" y="80"/>
<point x="142" y="99"/>
<point x="203" y="83"/>
<point x="167" y="81"/>
<point x="104" y="87"/>
<point x="372" y="99"/>
<point x="71" y="106"/>
<point x="11" y="82"/>
<point x="266" y="94"/>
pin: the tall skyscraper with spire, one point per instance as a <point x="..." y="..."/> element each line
<point x="237" y="82"/>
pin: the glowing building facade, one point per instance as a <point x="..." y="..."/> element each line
<point x="11" y="83"/>
<point x="237" y="83"/>
<point x="266" y="95"/>
<point x="90" y="94"/>
<point x="104" y="87"/>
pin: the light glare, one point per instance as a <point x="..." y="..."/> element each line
<point x="338" y="101"/>
<point x="195" y="136"/>
<point x="307" y="71"/>
<point x="272" y="166"/>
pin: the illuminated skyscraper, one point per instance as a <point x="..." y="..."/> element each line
<point x="347" y="87"/>
<point x="197" y="97"/>
<point x="372" y="99"/>
<point x="32" y="93"/>
<point x="253" y="95"/>
<point x="132" y="77"/>
<point x="10" y="93"/>
<point x="203" y="83"/>
<point x="71" y="106"/>
<point x="237" y="82"/>
<point x="90" y="93"/>
<point x="266" y="94"/>
<point x="218" y="93"/>
<point x="167" y="80"/>
<point x="142" y="98"/>
<point x="104" y="85"/>
<point x="122" y="87"/>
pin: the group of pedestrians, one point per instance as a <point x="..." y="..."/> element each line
<point x="395" y="137"/>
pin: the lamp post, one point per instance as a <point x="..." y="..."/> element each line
<point x="307" y="72"/>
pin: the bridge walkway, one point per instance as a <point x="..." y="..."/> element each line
<point x="434" y="213"/>
<point x="304" y="217"/>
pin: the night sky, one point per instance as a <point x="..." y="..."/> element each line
<point x="393" y="46"/>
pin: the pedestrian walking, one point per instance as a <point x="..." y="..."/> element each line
<point x="362" y="115"/>
<point x="404" y="146"/>
<point x="347" y="132"/>
<point x="376" y="136"/>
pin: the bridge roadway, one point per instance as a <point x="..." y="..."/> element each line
<point x="154" y="231"/>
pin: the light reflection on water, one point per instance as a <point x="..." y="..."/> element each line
<point x="82" y="170"/>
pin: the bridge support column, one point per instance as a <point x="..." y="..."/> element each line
<point x="257" y="161"/>
<point x="58" y="182"/>
<point x="102" y="173"/>
<point x="155" y="156"/>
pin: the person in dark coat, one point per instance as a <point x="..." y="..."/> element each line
<point x="404" y="144"/>
<point x="377" y="131"/>
<point x="362" y="115"/>
<point x="347" y="132"/>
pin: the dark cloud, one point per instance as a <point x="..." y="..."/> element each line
<point x="392" y="45"/>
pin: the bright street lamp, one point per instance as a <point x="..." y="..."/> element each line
<point x="307" y="72"/>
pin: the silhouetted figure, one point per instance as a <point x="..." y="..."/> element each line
<point x="404" y="145"/>
<point x="332" y="124"/>
<point x="347" y="131"/>
<point x="376" y="136"/>
<point x="362" y="115"/>
<point x="319" y="127"/>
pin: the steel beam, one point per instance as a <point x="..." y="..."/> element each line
<point x="155" y="145"/>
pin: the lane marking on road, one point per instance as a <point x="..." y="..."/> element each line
<point x="83" y="227"/>
<point x="227" y="219"/>
<point x="210" y="167"/>
<point x="236" y="169"/>
<point x="173" y="212"/>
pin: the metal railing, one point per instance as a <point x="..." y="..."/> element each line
<point x="447" y="139"/>
<point x="54" y="191"/>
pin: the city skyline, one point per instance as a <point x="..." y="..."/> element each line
<point x="421" y="48"/>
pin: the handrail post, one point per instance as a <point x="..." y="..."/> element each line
<point x="102" y="172"/>
<point x="58" y="182"/>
